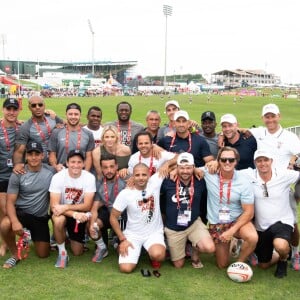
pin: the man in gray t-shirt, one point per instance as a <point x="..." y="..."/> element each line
<point x="71" y="137"/>
<point x="28" y="205"/>
<point x="126" y="127"/>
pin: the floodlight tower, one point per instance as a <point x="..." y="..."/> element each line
<point x="167" y="9"/>
<point x="93" y="46"/>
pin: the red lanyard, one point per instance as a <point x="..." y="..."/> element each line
<point x="190" y="142"/>
<point x="7" y="143"/>
<point x="228" y="189"/>
<point x="191" y="192"/>
<point x="116" y="189"/>
<point x="151" y="169"/>
<point x="38" y="128"/>
<point x="67" y="139"/>
<point x="128" y="132"/>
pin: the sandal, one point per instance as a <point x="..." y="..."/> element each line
<point x="197" y="264"/>
<point x="10" y="263"/>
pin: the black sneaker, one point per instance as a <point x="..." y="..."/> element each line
<point x="281" y="269"/>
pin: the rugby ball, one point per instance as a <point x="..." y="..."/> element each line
<point x="239" y="272"/>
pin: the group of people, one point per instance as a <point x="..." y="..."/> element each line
<point x="160" y="188"/>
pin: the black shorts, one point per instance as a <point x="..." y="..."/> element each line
<point x="264" y="246"/>
<point x="3" y="186"/>
<point x="38" y="226"/>
<point x="75" y="236"/>
<point x="103" y="215"/>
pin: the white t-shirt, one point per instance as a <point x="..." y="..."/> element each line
<point x="137" y="158"/>
<point x="96" y="133"/>
<point x="281" y="144"/>
<point x="143" y="218"/>
<point x="276" y="207"/>
<point x="72" y="190"/>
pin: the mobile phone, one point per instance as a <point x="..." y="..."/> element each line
<point x="145" y="273"/>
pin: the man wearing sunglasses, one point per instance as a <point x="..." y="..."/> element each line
<point x="274" y="220"/>
<point x="37" y="129"/>
<point x="230" y="207"/>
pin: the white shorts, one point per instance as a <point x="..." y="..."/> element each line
<point x="134" y="254"/>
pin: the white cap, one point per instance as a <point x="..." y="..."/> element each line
<point x="181" y="113"/>
<point x="270" y="108"/>
<point x="185" y="158"/>
<point x="229" y="118"/>
<point x="262" y="153"/>
<point x="172" y="102"/>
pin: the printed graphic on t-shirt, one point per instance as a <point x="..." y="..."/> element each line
<point x="147" y="204"/>
<point x="73" y="195"/>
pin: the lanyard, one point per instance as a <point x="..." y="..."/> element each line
<point x="128" y="132"/>
<point x="116" y="189"/>
<point x="191" y="192"/>
<point x="7" y="143"/>
<point x="39" y="130"/>
<point x="151" y="169"/>
<point x="190" y="142"/>
<point x="228" y="189"/>
<point x="23" y="246"/>
<point x="67" y="139"/>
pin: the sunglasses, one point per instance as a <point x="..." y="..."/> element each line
<point x="34" y="105"/>
<point x="144" y="195"/>
<point x="265" y="190"/>
<point x="229" y="159"/>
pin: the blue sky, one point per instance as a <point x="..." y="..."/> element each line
<point x="204" y="36"/>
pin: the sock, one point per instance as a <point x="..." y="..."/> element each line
<point x="61" y="248"/>
<point x="295" y="250"/>
<point x="100" y="243"/>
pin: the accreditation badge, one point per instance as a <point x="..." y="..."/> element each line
<point x="224" y="215"/>
<point x="9" y="163"/>
<point x="182" y="218"/>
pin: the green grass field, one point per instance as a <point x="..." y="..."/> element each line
<point x="36" y="278"/>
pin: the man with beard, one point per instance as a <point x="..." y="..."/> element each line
<point x="37" y="129"/>
<point x="94" y="117"/>
<point x="107" y="189"/>
<point x="183" y="203"/>
<point x="208" y="125"/>
<point x="71" y="137"/>
<point x="126" y="127"/>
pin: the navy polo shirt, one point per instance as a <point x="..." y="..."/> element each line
<point x="199" y="147"/>
<point x="246" y="148"/>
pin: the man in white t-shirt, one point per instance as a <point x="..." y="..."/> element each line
<point x="144" y="227"/>
<point x="145" y="155"/>
<point x="71" y="197"/>
<point x="94" y="117"/>
<point x="284" y="146"/>
<point x="274" y="220"/>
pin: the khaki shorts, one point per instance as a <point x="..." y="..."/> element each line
<point x="177" y="239"/>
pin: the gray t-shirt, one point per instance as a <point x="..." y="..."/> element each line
<point x="39" y="132"/>
<point x="62" y="147"/>
<point x="128" y="131"/>
<point x="213" y="144"/>
<point x="32" y="190"/>
<point x="6" y="152"/>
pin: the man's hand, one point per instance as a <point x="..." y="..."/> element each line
<point x="19" y="168"/>
<point x="123" y="247"/>
<point x="17" y="228"/>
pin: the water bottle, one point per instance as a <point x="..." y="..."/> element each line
<point x="95" y="234"/>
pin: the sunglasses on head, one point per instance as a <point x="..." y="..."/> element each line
<point x="144" y="195"/>
<point x="265" y="190"/>
<point x="229" y="159"/>
<point x="33" y="105"/>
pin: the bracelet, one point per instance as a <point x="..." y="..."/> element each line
<point x="75" y="214"/>
<point x="122" y="240"/>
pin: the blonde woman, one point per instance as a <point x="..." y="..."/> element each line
<point x="111" y="144"/>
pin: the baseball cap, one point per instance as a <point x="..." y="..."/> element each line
<point x="229" y="118"/>
<point x="34" y="146"/>
<point x="172" y="102"/>
<point x="262" y="153"/>
<point x="74" y="153"/>
<point x="185" y="158"/>
<point x="11" y="102"/>
<point x="208" y="115"/>
<point x="270" y="108"/>
<point x="181" y="113"/>
<point x="73" y="106"/>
